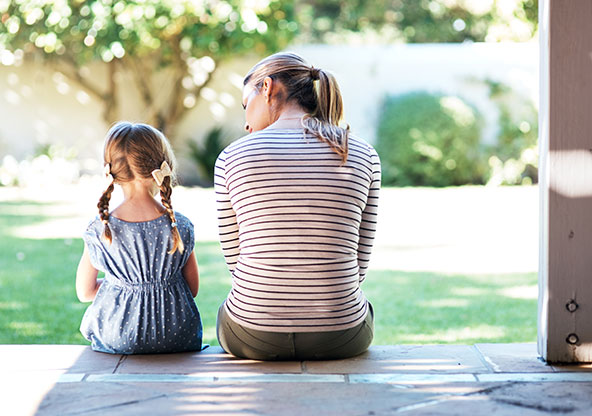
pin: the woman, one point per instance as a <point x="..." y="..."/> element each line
<point x="297" y="204"/>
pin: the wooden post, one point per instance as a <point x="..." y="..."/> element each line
<point x="565" y="140"/>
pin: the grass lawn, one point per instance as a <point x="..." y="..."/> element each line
<point x="38" y="303"/>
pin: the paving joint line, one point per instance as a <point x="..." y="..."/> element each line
<point x="486" y="361"/>
<point x="121" y="360"/>
<point x="113" y="406"/>
<point x="427" y="403"/>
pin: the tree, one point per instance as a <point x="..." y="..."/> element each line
<point x="172" y="47"/>
<point x="179" y="41"/>
<point x="418" y="21"/>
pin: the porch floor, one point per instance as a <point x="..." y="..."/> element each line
<point x="505" y="379"/>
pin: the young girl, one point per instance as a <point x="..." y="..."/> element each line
<point x="145" y="302"/>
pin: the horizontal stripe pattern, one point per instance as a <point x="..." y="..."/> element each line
<point x="296" y="228"/>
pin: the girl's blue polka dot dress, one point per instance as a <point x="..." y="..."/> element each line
<point x="144" y="304"/>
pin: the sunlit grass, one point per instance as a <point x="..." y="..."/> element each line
<point x="38" y="303"/>
<point x="422" y="308"/>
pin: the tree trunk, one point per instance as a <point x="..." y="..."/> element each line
<point x="163" y="115"/>
<point x="110" y="101"/>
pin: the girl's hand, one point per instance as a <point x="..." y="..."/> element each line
<point x="191" y="274"/>
<point x="87" y="284"/>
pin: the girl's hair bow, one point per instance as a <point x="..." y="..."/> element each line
<point x="163" y="172"/>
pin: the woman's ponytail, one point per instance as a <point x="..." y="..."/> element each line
<point x="324" y="121"/>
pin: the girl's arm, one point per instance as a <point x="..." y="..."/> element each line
<point x="87" y="284"/>
<point x="191" y="274"/>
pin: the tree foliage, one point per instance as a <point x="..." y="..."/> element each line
<point x="181" y="41"/>
<point x="171" y="48"/>
<point x="418" y="21"/>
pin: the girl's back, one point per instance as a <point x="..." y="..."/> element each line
<point x="144" y="304"/>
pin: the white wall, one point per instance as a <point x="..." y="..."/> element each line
<point x="39" y="106"/>
<point x="366" y="74"/>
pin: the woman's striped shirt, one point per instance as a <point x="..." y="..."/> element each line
<point x="296" y="228"/>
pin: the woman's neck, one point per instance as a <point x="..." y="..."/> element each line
<point x="138" y="202"/>
<point x="289" y="118"/>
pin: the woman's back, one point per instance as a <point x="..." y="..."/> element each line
<point x="307" y="221"/>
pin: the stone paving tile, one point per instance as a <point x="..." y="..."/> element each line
<point x="218" y="377"/>
<point x="536" y="377"/>
<point x="440" y="359"/>
<point x="466" y="405"/>
<point x="295" y="399"/>
<point x="513" y="358"/>
<point x="212" y="359"/>
<point x="72" y="358"/>
<point x="71" y="377"/>
<point x="512" y="399"/>
<point x="77" y="398"/>
<point x="551" y="398"/>
<point x="411" y="378"/>
<point x="415" y="380"/>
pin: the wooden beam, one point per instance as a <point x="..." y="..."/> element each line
<point x="565" y="140"/>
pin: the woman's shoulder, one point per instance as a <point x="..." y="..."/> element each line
<point x="238" y="142"/>
<point x="361" y="146"/>
<point x="360" y="143"/>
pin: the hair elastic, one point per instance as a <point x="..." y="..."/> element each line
<point x="173" y="224"/>
<point x="314" y="73"/>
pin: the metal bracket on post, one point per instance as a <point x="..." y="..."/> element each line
<point x="572" y="306"/>
<point x="572" y="339"/>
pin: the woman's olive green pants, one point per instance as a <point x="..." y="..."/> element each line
<point x="260" y="345"/>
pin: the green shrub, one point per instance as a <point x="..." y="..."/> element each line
<point x="514" y="158"/>
<point x="430" y="140"/>
<point x="204" y="154"/>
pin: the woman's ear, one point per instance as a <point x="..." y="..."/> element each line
<point x="267" y="88"/>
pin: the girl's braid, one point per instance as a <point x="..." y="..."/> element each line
<point x="165" y="195"/>
<point x="103" y="206"/>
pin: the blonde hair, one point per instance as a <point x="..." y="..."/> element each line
<point x="134" y="150"/>
<point x="313" y="89"/>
